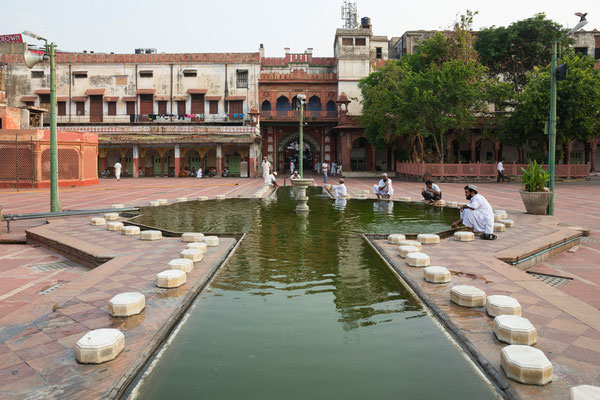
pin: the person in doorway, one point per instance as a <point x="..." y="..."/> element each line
<point x="325" y="168"/>
<point x="333" y="168"/>
<point x="199" y="173"/>
<point x="431" y="191"/>
<point x="118" y="168"/>
<point x="292" y="167"/>
<point x="273" y="179"/>
<point x="141" y="172"/>
<point x="384" y="189"/>
<point x="340" y="190"/>
<point x="266" y="170"/>
<point x="477" y="215"/>
<point x="500" y="168"/>
<point x="318" y="167"/>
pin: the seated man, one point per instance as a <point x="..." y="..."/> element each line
<point x="340" y="190"/>
<point x="295" y="175"/>
<point x="384" y="189"/>
<point x="478" y="215"/>
<point x="431" y="191"/>
<point x="273" y="179"/>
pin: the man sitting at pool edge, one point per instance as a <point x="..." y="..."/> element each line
<point x="477" y="215"/>
<point x="384" y="188"/>
<point x="431" y="191"/>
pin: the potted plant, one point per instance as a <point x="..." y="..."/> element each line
<point x="535" y="195"/>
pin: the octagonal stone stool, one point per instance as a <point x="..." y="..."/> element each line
<point x="189" y="237"/>
<point x="361" y="196"/>
<point x="464" y="236"/>
<point x="440" y="203"/>
<point x="467" y="296"/>
<point x="395" y="238"/>
<point x="437" y="275"/>
<point x="126" y="304"/>
<point x="184" y="264"/>
<point x="509" y="223"/>
<point x="211" y="241"/>
<point x="154" y="204"/>
<point x="202" y="198"/>
<point x="502" y="213"/>
<point x="220" y="196"/>
<point x="150" y="235"/>
<point x="162" y="202"/>
<point x="451" y="204"/>
<point x="170" y="278"/>
<point x="526" y="364"/>
<point x="114" y="226"/>
<point x="585" y="392"/>
<point x="364" y="192"/>
<point x="115" y="206"/>
<point x="130" y="230"/>
<point x="428" y="238"/>
<point x="98" y="221"/>
<point x="403" y="198"/>
<point x="198" y="246"/>
<point x="404" y="250"/>
<point x="111" y="216"/>
<point x="499" y="227"/>
<point x="417" y="259"/>
<point x="415" y="243"/>
<point x="98" y="346"/>
<point x="502" y="305"/>
<point x="193" y="254"/>
<point x="181" y="199"/>
<point x="513" y="329"/>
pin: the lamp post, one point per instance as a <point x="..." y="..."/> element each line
<point x="30" y="61"/>
<point x="301" y="99"/>
<point x="552" y="133"/>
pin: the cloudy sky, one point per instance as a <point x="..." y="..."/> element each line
<point x="240" y="26"/>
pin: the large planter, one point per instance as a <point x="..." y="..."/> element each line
<point x="536" y="202"/>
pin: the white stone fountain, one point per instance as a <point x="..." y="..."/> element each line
<point x="300" y="185"/>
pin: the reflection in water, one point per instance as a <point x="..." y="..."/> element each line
<point x="340" y="203"/>
<point x="306" y="309"/>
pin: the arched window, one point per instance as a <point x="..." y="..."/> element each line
<point x="314" y="106"/>
<point x="266" y="106"/>
<point x="283" y="106"/>
<point x="331" y="109"/>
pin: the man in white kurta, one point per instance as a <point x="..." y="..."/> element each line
<point x="384" y="188"/>
<point x="292" y="167"/>
<point x="266" y="170"/>
<point x="118" y="168"/>
<point x="477" y="214"/>
<point x="339" y="191"/>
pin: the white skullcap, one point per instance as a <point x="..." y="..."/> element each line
<point x="472" y="187"/>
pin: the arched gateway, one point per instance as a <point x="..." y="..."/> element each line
<point x="283" y="153"/>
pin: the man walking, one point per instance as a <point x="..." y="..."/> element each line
<point x="500" y="169"/>
<point x="478" y="215"/>
<point x="325" y="168"/>
<point x="118" y="168"/>
<point x="266" y="170"/>
<point x="333" y="168"/>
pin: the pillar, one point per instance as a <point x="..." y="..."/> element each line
<point x="162" y="165"/>
<point x="103" y="164"/>
<point x="219" y="161"/>
<point x="594" y="146"/>
<point x="496" y="151"/>
<point x="473" y="149"/>
<point x="81" y="161"/>
<point x="251" y="162"/>
<point x="136" y="161"/>
<point x="345" y="146"/>
<point x="177" y="160"/>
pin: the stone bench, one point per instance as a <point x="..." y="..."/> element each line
<point x="526" y="364"/>
<point x="415" y="243"/>
<point x="150" y="235"/>
<point x="437" y="275"/>
<point x="198" y="246"/>
<point x="509" y="223"/>
<point x="117" y="206"/>
<point x="220" y="197"/>
<point x="502" y="305"/>
<point x="171" y="278"/>
<point x="211" y="241"/>
<point x="499" y="227"/>
<point x="114" y="226"/>
<point x="417" y="259"/>
<point x="98" y="346"/>
<point x="181" y="199"/>
<point x="126" y="304"/>
<point x="467" y="296"/>
<point x="395" y="238"/>
<point x="513" y="329"/>
<point x="130" y="230"/>
<point x="405" y="198"/>
<point x="202" y="198"/>
<point x="464" y="236"/>
<point x="189" y="237"/>
<point x="428" y="238"/>
<point x="111" y="216"/>
<point x="97" y="221"/>
<point x="154" y="204"/>
<point x="162" y="202"/>
<point x="404" y="250"/>
<point x="183" y="264"/>
<point x="193" y="254"/>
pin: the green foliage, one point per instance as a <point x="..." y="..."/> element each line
<point x="534" y="177"/>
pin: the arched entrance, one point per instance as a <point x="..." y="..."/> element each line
<point x="233" y="160"/>
<point x="287" y="150"/>
<point x="358" y="155"/>
<point x="193" y="161"/>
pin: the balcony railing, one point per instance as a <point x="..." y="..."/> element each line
<point x="295" y="115"/>
<point x="157" y="118"/>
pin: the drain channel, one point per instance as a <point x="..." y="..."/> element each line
<point x="552" y="280"/>
<point x="55" y="266"/>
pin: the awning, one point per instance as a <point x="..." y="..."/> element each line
<point x="145" y="91"/>
<point x="197" y="91"/>
<point x="180" y="98"/>
<point x="79" y="99"/>
<point x="28" y="99"/>
<point x="42" y="91"/>
<point x="235" y="98"/>
<point x="79" y="72"/>
<point x="213" y="98"/>
<point x="111" y="98"/>
<point x="162" y="98"/>
<point x="129" y="98"/>
<point x="62" y="99"/>
<point x="95" y="92"/>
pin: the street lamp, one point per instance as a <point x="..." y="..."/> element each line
<point x="552" y="134"/>
<point x="301" y="100"/>
<point x="31" y="60"/>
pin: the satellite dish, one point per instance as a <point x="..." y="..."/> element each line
<point x="31" y="59"/>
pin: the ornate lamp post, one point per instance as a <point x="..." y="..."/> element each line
<point x="31" y="60"/>
<point x="301" y="184"/>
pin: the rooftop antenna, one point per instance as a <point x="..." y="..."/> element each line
<point x="350" y="14"/>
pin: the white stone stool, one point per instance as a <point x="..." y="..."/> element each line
<point x="415" y="243"/>
<point x="189" y="237"/>
<point x="183" y="264"/>
<point x="111" y="216"/>
<point x="181" y="199"/>
<point x="220" y="196"/>
<point x="452" y="204"/>
<point x="526" y="364"/>
<point x="502" y="213"/>
<point x="211" y="241"/>
<point x="467" y="296"/>
<point x="437" y="275"/>
<point x="428" y="238"/>
<point x="585" y="392"/>
<point x="154" y="204"/>
<point x="130" y="230"/>
<point x="126" y="304"/>
<point x="364" y="192"/>
<point x="403" y="198"/>
<point x="404" y="250"/>
<point x="499" y="227"/>
<point x="395" y="238"/>
<point x="150" y="235"/>
<point x="162" y="202"/>
<point x="464" y="236"/>
<point x="361" y="196"/>
<point x="114" y="226"/>
<point x="115" y="206"/>
<point x="513" y="329"/>
<point x="509" y="223"/>
<point x="439" y="203"/>
<point x="97" y="221"/>
<point x="98" y="346"/>
<point x="198" y="246"/>
<point x="502" y="305"/>
<point x="417" y="259"/>
<point x="193" y="254"/>
<point x="171" y="278"/>
<point x="202" y="198"/>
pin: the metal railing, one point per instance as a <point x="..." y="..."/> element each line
<point x="158" y="118"/>
<point x="275" y="114"/>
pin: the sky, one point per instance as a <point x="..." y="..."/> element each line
<point x="220" y="26"/>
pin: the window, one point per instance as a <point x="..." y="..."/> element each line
<point x="121" y="80"/>
<point x="597" y="53"/>
<point x="236" y="107"/>
<point x="131" y="108"/>
<point x="80" y="108"/>
<point x="360" y="42"/>
<point x="181" y="107"/>
<point x="347" y="41"/>
<point x="146" y="74"/>
<point x="112" y="108"/>
<point x="242" y="78"/>
<point x="162" y="107"/>
<point x="37" y="74"/>
<point x="190" y="73"/>
<point x="213" y="107"/>
<point x="581" y="50"/>
<point x="197" y="104"/>
<point x="378" y="52"/>
<point x="79" y="74"/>
<point x="61" y="108"/>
